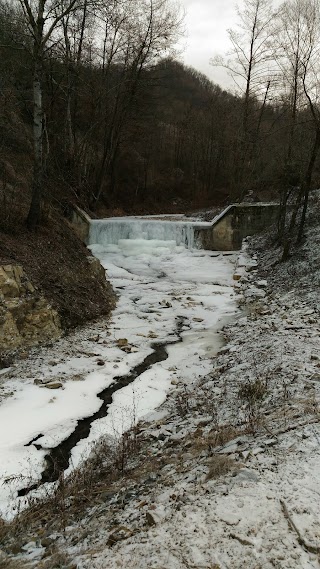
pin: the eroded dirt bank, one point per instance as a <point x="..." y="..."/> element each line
<point x="59" y="265"/>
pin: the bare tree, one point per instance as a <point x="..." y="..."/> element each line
<point x="296" y="51"/>
<point x="249" y="64"/>
<point x="291" y="48"/>
<point x="42" y="18"/>
<point x="145" y="34"/>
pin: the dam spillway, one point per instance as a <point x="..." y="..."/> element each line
<point x="177" y="232"/>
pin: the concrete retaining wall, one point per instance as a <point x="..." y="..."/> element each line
<point x="80" y="221"/>
<point x="234" y="223"/>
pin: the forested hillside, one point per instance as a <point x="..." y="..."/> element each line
<point x="95" y="111"/>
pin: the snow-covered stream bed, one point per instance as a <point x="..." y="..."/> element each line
<point x="167" y="295"/>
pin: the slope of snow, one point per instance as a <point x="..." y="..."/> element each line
<point x="173" y="508"/>
<point x="262" y="512"/>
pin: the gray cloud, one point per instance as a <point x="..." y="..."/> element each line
<point x="206" y="25"/>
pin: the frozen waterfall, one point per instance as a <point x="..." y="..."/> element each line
<point x="113" y="230"/>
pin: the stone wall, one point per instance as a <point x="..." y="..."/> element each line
<point x="26" y="318"/>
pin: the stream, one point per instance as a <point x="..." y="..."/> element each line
<point x="173" y="299"/>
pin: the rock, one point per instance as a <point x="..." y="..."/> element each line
<point x="270" y="442"/>
<point x="257" y="450"/>
<point x="9" y="286"/>
<point x="152" y="477"/>
<point x="223" y="350"/>
<point x="245" y="454"/>
<point x="126" y="349"/>
<point x="56" y="385"/>
<point x="100" y="363"/>
<point x="16" y="548"/>
<point x="5" y="370"/>
<point x="119" y="534"/>
<point x="151" y="519"/>
<point x="24" y="355"/>
<point x="29" y="287"/>
<point x="246" y="475"/>
<point x="26" y="319"/>
<point x="46" y="542"/>
<point x="122" y="342"/>
<point x="44" y="380"/>
<point x="96" y="267"/>
<point x="236" y="277"/>
<point x="107" y="496"/>
<point x="230" y="519"/>
<point x="155" y="515"/>
<point x="197" y="319"/>
<point x="165" y="304"/>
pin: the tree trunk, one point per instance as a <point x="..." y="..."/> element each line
<point x="303" y="196"/>
<point x="34" y="215"/>
<point x="313" y="157"/>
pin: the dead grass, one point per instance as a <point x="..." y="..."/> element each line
<point x="220" y="465"/>
<point x="220" y="436"/>
<point x="57" y="561"/>
<point x="110" y="463"/>
<point x="252" y="394"/>
<point x="111" y="466"/>
<point x="310" y="405"/>
<point x="14" y="564"/>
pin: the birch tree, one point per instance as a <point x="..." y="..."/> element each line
<point x="42" y="18"/>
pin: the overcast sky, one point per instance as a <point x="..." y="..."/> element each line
<point x="206" y="25"/>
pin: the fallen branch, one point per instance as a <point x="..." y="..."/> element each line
<point x="307" y="546"/>
<point x="242" y="540"/>
<point x="297" y="426"/>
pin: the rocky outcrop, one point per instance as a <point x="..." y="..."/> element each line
<point x="97" y="269"/>
<point x="26" y="318"/>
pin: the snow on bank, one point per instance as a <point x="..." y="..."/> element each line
<point x="262" y="513"/>
<point x="163" y="289"/>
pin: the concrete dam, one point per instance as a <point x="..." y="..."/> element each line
<point x="224" y="233"/>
